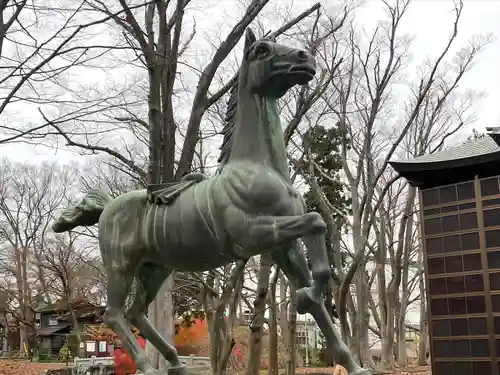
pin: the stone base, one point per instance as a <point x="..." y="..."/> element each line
<point x="182" y="370"/>
<point x="343" y="371"/>
<point x="179" y="370"/>
<point x="362" y="371"/>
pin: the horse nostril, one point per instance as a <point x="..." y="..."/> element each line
<point x="302" y="55"/>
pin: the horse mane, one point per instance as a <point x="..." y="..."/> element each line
<point x="230" y="120"/>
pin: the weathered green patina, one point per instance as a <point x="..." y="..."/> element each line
<point x="249" y="207"/>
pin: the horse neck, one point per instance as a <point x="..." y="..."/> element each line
<point x="258" y="136"/>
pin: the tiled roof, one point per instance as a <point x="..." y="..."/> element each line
<point x="473" y="148"/>
<point x="61" y="305"/>
<point x="50" y="330"/>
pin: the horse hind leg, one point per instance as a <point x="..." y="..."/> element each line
<point x="118" y="288"/>
<point x="150" y="278"/>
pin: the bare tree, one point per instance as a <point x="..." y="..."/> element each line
<point x="291" y="362"/>
<point x="222" y="292"/>
<point x="40" y="44"/>
<point x="353" y="89"/>
<point x="29" y="195"/>
<point x="159" y="43"/>
<point x="321" y="29"/>
<point x="257" y="323"/>
<point x="423" y="325"/>
<point x="66" y="258"/>
<point x="272" y="303"/>
<point x="361" y="101"/>
<point x="442" y="113"/>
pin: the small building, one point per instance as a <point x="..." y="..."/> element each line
<point x="55" y="322"/>
<point x="459" y="198"/>
<point x="307" y="333"/>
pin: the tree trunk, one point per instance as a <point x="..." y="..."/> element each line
<point x="362" y="291"/>
<point x="384" y="303"/>
<point x="283" y="308"/>
<point x="329" y="304"/>
<point x="273" y="331"/>
<point x="334" y="228"/>
<point x="402" y="358"/>
<point x="21" y="295"/>
<point x="220" y="324"/>
<point x="424" y="328"/>
<point x="161" y="315"/>
<point x="23" y="336"/>
<point x="423" y="339"/>
<point x="257" y="324"/>
<point x="390" y="327"/>
<point x="75" y="326"/>
<point x="291" y="360"/>
<point x="404" y="293"/>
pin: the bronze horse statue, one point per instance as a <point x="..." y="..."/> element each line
<point x="247" y="208"/>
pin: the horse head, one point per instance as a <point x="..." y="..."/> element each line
<point x="253" y="128"/>
<point x="271" y="69"/>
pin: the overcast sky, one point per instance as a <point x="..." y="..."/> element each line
<point x="429" y="21"/>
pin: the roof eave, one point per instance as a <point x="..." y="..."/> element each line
<point x="404" y="167"/>
<point x="494" y="134"/>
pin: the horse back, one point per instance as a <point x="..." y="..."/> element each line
<point x="188" y="233"/>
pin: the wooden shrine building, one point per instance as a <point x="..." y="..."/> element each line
<point x="459" y="195"/>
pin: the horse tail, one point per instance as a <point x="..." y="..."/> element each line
<point x="86" y="213"/>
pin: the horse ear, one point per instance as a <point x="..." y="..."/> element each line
<point x="250" y="38"/>
<point x="270" y="36"/>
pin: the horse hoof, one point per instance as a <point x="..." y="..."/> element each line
<point x="177" y="370"/>
<point x="174" y="370"/>
<point x="152" y="372"/>
<point x="361" y="371"/>
<point x="305" y="300"/>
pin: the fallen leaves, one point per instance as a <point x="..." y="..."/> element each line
<point x="19" y="367"/>
<point x="339" y="370"/>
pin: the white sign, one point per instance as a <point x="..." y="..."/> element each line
<point x="90" y="346"/>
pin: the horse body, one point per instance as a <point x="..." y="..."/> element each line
<point x="164" y="233"/>
<point x="210" y="209"/>
<point x="249" y="207"/>
<point x="259" y="189"/>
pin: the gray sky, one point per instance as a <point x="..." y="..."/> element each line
<point x="429" y="21"/>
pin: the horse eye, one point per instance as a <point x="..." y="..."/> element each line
<point x="262" y="51"/>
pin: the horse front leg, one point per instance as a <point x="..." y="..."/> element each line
<point x="321" y="273"/>
<point x="257" y="233"/>
<point x="293" y="264"/>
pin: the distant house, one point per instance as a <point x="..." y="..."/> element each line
<point x="55" y="322"/>
<point x="307" y="333"/>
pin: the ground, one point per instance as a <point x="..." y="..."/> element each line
<point x="336" y="371"/>
<point x="17" y="367"/>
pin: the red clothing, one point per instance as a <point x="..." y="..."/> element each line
<point x="123" y="362"/>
